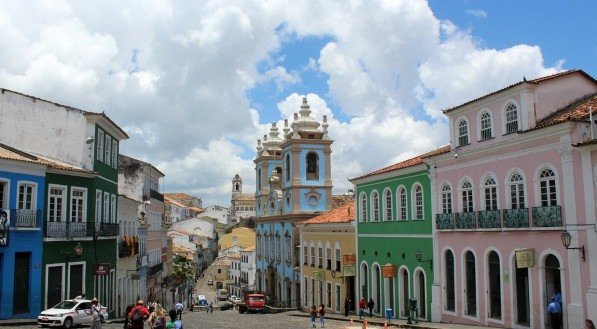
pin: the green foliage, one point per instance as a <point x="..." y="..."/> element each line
<point x="183" y="270"/>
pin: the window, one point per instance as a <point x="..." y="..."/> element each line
<point x="278" y="249"/>
<point x="547" y="181"/>
<point x="3" y="195"/>
<point x="288" y="247"/>
<point x="328" y="258"/>
<point x="312" y="166"/>
<point x="490" y="191"/>
<point x="511" y="119"/>
<point x="108" y="149"/>
<point x="56" y="204"/>
<point x="106" y="207"/>
<point x="337" y="298"/>
<point x="114" y="154"/>
<point x="320" y="257"/>
<point x="338" y="262"/>
<point x="328" y="303"/>
<point x="26" y="196"/>
<point x="495" y="293"/>
<point x="485" y="126"/>
<point x="77" y="204"/>
<point x="446" y="199"/>
<point x="363" y="207"/>
<point x="388" y="205"/>
<point x="418" y="202"/>
<point x="517" y="192"/>
<point x="462" y="133"/>
<point x="467" y="197"/>
<point x="470" y="284"/>
<point x="258" y="180"/>
<point x="259" y="246"/>
<point x="287" y="167"/>
<point x="98" y="206"/>
<point x="113" y="208"/>
<point x="375" y="206"/>
<point x="450" y="289"/>
<point x="100" y="145"/>
<point x="312" y="256"/>
<point x="305" y="255"/>
<point x="402" y="203"/>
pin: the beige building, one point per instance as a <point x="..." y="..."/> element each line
<point x="220" y="272"/>
<point x="327" y="259"/>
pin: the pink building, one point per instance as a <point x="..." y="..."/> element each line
<point x="522" y="170"/>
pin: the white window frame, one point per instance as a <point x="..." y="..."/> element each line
<point x="447" y="206"/>
<point x="108" y="150"/>
<point x="83" y="205"/>
<point x="401" y="205"/>
<point x="387" y="204"/>
<point x="106" y="213"/>
<point x="5" y="201"/>
<point x="505" y="122"/>
<point x="98" y="205"/>
<point x="363" y="205"/>
<point x="495" y="195"/>
<point x="114" y="153"/>
<point x="100" y="144"/>
<point x="375" y="206"/>
<point x="113" y="208"/>
<point x="480" y="122"/>
<point x="461" y="189"/>
<point x="64" y="189"/>
<point x="415" y="200"/>
<point x="539" y="179"/>
<point x="510" y="185"/>
<point x="33" y="192"/>
<point x="459" y="136"/>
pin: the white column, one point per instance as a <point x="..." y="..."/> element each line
<point x="436" y="297"/>
<point x="590" y="183"/>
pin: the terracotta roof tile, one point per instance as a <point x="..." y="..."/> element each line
<point x="342" y="214"/>
<point x="341" y="199"/>
<point x="10" y="153"/>
<point x="533" y="81"/>
<point x="183" y="196"/>
<point x="575" y="111"/>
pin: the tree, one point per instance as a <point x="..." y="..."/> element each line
<point x="182" y="271"/>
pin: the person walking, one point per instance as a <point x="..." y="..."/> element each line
<point x="322" y="315"/>
<point x="157" y="318"/>
<point x="174" y="323"/>
<point x="370" y="305"/>
<point x="589" y="324"/>
<point x="362" y="306"/>
<point x="346" y="306"/>
<point x="555" y="313"/>
<point x="126" y="316"/>
<point x="96" y="316"/>
<point x="138" y="315"/>
<point x="313" y="315"/>
<point x="210" y="309"/>
<point x="179" y="307"/>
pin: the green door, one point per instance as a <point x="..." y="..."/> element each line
<point x="20" y="303"/>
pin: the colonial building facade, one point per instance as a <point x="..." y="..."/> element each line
<point x="293" y="182"/>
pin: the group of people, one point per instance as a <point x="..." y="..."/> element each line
<point x="137" y="315"/>
<point x="364" y="304"/>
<point x="554" y="309"/>
<point x="318" y="312"/>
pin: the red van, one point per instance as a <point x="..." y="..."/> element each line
<point x="254" y="303"/>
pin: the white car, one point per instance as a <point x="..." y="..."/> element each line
<point x="68" y="313"/>
<point x="231" y="297"/>
<point x="235" y="300"/>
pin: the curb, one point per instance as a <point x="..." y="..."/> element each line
<point x="375" y="321"/>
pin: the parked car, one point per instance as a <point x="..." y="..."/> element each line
<point x="231" y="297"/>
<point x="210" y="282"/>
<point x="226" y="306"/>
<point x="68" y="313"/>
<point x="235" y="300"/>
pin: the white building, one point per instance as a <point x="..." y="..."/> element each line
<point x="195" y="226"/>
<point x="247" y="268"/>
<point x="218" y="212"/>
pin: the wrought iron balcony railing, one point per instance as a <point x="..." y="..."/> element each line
<point x="26" y="218"/>
<point x="550" y="216"/>
<point x="155" y="269"/>
<point x="489" y="219"/>
<point x="444" y="221"/>
<point x="466" y="220"/>
<point x="108" y="229"/>
<point x="516" y="218"/>
<point x="68" y="229"/>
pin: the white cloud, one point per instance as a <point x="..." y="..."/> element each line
<point x="477" y="13"/>
<point x="177" y="76"/>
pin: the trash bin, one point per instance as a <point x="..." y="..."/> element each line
<point x="389" y="314"/>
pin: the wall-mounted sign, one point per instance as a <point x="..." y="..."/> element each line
<point x="4" y="223"/>
<point x="350" y="270"/>
<point x="101" y="269"/>
<point x="349" y="259"/>
<point x="525" y="258"/>
<point x="388" y="271"/>
<point x="319" y="275"/>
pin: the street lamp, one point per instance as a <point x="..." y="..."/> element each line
<point x="566" y="239"/>
<point x="419" y="256"/>
<point x="78" y="251"/>
<point x="335" y="273"/>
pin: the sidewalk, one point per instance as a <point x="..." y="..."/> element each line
<point x="395" y="323"/>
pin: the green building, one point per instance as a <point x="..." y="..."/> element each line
<point x="394" y="238"/>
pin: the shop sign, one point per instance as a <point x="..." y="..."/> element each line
<point x="388" y="271"/>
<point x="525" y="258"/>
<point x="349" y="259"/>
<point x="101" y="269"/>
<point x="350" y="270"/>
<point x="319" y="275"/>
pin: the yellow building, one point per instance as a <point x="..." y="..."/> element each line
<point x="328" y="259"/>
<point x="220" y="272"/>
<point x="242" y="237"/>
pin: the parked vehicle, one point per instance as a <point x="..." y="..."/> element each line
<point x="68" y="313"/>
<point x="210" y="282"/>
<point x="202" y="301"/>
<point x="235" y="300"/>
<point x="226" y="306"/>
<point x="222" y="294"/>
<point x="253" y="303"/>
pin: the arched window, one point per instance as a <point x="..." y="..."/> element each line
<point x="495" y="286"/>
<point x="517" y="199"/>
<point x="547" y="184"/>
<point x="485" y="126"/>
<point x="259" y="179"/>
<point x="312" y="166"/>
<point x="490" y="192"/>
<point x="363" y="208"/>
<point x="418" y="199"/>
<point x="450" y="302"/>
<point x="237" y="187"/>
<point x="388" y="205"/>
<point x="375" y="206"/>
<point x="401" y="204"/>
<point x="466" y="194"/>
<point x="470" y="284"/>
<point x="287" y="167"/>
<point x="511" y="118"/>
<point x="446" y="199"/>
<point x="462" y="133"/>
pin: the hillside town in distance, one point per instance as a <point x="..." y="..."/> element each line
<point x="495" y="228"/>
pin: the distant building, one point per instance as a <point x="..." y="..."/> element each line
<point x="218" y="212"/>
<point x="242" y="206"/>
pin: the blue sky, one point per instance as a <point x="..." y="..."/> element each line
<point x="195" y="84"/>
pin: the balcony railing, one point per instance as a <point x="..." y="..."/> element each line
<point x="444" y="221"/>
<point x="68" y="229"/>
<point x="155" y="269"/>
<point x="542" y="217"/>
<point x="489" y="219"/>
<point x="156" y="195"/>
<point x="25" y="218"/>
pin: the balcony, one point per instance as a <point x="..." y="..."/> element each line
<point x="156" y="195"/>
<point x="155" y="269"/>
<point x="68" y="229"/>
<point x="26" y="218"/>
<point x="542" y="217"/>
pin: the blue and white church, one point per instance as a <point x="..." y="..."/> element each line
<point x="293" y="184"/>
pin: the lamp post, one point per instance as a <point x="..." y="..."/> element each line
<point x="78" y="251"/>
<point x="566" y="239"/>
<point x="335" y="274"/>
<point x="419" y="256"/>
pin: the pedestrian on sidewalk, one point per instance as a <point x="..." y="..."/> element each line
<point x="210" y="309"/>
<point x="362" y="306"/>
<point x="179" y="307"/>
<point x="313" y="315"/>
<point x="126" y="316"/>
<point x="138" y="315"/>
<point x="96" y="314"/>
<point x="173" y="323"/>
<point x="157" y="318"/>
<point x="555" y="313"/>
<point x="346" y="306"/>
<point x="322" y="315"/>
<point x="370" y="306"/>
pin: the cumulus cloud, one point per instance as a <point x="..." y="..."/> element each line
<point x="177" y="77"/>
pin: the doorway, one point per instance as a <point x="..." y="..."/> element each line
<point x="54" y="284"/>
<point x="376" y="288"/>
<point x="553" y="285"/>
<point x="404" y="284"/>
<point x="21" y="283"/>
<point x="363" y="281"/>
<point x="522" y="296"/>
<point x="421" y="295"/>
